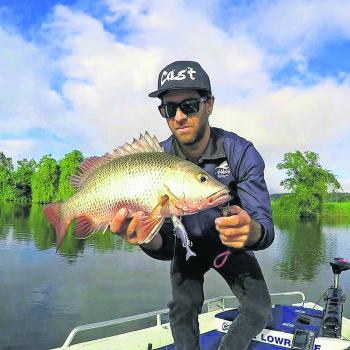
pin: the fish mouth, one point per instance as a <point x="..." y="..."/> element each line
<point x="218" y="198"/>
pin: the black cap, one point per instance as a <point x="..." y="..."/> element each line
<point x="182" y="75"/>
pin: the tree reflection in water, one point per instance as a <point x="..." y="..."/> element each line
<point x="26" y="223"/>
<point x="303" y="248"/>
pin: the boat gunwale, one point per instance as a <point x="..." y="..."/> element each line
<point x="212" y="304"/>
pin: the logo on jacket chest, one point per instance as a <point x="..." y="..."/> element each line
<point x="223" y="170"/>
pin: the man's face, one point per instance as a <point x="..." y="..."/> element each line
<point x="188" y="129"/>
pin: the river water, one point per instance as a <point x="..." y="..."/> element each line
<point x="45" y="294"/>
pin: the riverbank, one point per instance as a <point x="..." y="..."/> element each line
<point x="333" y="209"/>
<point x="329" y="210"/>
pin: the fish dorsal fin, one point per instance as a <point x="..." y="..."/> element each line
<point x="144" y="144"/>
<point x="86" y="168"/>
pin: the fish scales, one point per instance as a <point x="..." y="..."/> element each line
<point x="120" y="183"/>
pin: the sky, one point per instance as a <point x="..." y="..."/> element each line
<point x="76" y="74"/>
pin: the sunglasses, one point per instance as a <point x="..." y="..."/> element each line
<point x="188" y="106"/>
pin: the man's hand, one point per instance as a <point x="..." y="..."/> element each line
<point x="127" y="228"/>
<point x="239" y="230"/>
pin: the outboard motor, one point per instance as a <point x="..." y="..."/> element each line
<point x="335" y="298"/>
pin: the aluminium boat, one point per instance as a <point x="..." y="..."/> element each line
<point x="296" y="325"/>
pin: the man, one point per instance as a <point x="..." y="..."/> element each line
<point x="224" y="243"/>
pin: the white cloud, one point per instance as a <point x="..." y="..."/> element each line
<point x="18" y="149"/>
<point x="290" y="31"/>
<point x="293" y="26"/>
<point x="291" y="117"/>
<point x="107" y="81"/>
<point x="27" y="100"/>
<point x="346" y="185"/>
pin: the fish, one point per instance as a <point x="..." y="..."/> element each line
<point x="141" y="177"/>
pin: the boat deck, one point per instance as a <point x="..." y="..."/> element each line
<point x="213" y="324"/>
<point x="159" y="336"/>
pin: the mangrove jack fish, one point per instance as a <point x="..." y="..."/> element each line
<point x="140" y="177"/>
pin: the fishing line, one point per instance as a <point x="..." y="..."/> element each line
<point x="322" y="296"/>
<point x="174" y="249"/>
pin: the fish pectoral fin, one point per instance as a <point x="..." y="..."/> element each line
<point x="86" y="226"/>
<point x="149" y="227"/>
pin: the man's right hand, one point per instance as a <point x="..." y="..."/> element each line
<point x="126" y="227"/>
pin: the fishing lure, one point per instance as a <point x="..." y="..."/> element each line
<point x="181" y="233"/>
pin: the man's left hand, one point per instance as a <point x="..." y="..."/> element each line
<point x="238" y="230"/>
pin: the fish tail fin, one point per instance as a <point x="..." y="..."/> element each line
<point x="54" y="214"/>
<point x="189" y="253"/>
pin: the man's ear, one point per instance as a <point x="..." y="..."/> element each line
<point x="210" y="105"/>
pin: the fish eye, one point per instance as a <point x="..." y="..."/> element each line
<point x="202" y="178"/>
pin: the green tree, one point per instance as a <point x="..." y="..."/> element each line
<point x="22" y="178"/>
<point x="7" y="190"/>
<point x="68" y="166"/>
<point x="44" y="180"/>
<point x="308" y="182"/>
